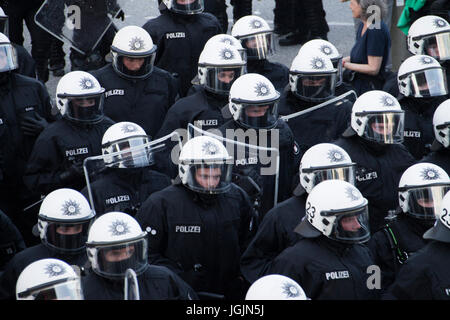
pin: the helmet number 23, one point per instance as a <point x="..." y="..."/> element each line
<point x="310" y="210"/>
<point x="445" y="217"/>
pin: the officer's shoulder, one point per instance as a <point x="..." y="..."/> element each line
<point x="278" y="65"/>
<point x="158" y="272"/>
<point x="54" y="129"/>
<point x="209" y="17"/>
<point x="98" y="73"/>
<point x="24" y="81"/>
<point x="158" y="72"/>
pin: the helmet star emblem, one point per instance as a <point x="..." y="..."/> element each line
<point x="54" y="269"/>
<point x="86" y="84"/>
<point x="70" y="208"/>
<point x="318" y="63"/>
<point x="430" y="174"/>
<point x="255" y="24"/>
<point x="210" y="148"/>
<point x="440" y="23"/>
<point x="335" y="155"/>
<point x="118" y="228"/>
<point x="387" y="101"/>
<point x="290" y="290"/>
<point x="353" y="194"/>
<point x="127" y="128"/>
<point x="227" y="54"/>
<point x="137" y="44"/>
<point x="326" y="50"/>
<point x="426" y="60"/>
<point x="262" y="89"/>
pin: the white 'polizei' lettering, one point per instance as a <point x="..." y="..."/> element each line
<point x="209" y="122"/>
<point x="117" y="199"/>
<point x="242" y="162"/>
<point x="336" y="275"/>
<point x="76" y="152"/>
<point x="188" y="229"/>
<point x="367" y="176"/>
<point x="115" y="92"/>
<point x="412" y="134"/>
<point x="175" y="35"/>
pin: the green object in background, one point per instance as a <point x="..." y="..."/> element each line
<point x="404" y="22"/>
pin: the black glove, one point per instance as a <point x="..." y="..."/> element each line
<point x="33" y="125"/>
<point x="73" y="174"/>
<point x="121" y="15"/>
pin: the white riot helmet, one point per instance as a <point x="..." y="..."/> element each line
<point x="253" y="102"/>
<point x="336" y="209"/>
<point x="205" y="165"/>
<point x="63" y="221"/>
<point x="328" y="49"/>
<point x="127" y="145"/>
<point x="256" y="37"/>
<point x="48" y="279"/>
<point x="8" y="55"/>
<point x="275" y="287"/>
<point x="133" y="42"/>
<point x="185" y="6"/>
<point x="421" y="190"/>
<point x="430" y="35"/>
<point x="312" y="76"/>
<point x="422" y="76"/>
<point x="116" y="243"/>
<point x="219" y="66"/>
<point x="4" y="23"/>
<point x="227" y="40"/>
<point x="441" y="229"/>
<point x="80" y="97"/>
<point x="377" y="116"/>
<point x="324" y="161"/>
<point x="441" y="125"/>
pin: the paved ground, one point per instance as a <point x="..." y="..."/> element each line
<point x="338" y="16"/>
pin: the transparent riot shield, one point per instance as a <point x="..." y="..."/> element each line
<point x="256" y="165"/>
<point x="80" y="23"/>
<point x="121" y="181"/>
<point x="131" y="286"/>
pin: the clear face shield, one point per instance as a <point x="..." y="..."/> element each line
<point x="337" y="64"/>
<point x="344" y="173"/>
<point x="85" y="109"/>
<point x="220" y="79"/>
<point x="385" y="128"/>
<point x="437" y="46"/>
<point x="134" y="152"/>
<point x="8" y="58"/>
<point x="259" y="46"/>
<point x="210" y="178"/>
<point x="428" y="83"/>
<point x="69" y="238"/>
<point x="114" y="260"/>
<point x="134" y="67"/>
<point x="425" y="202"/>
<point x="317" y="87"/>
<point x="351" y="226"/>
<point x="64" y="289"/>
<point x="4" y="26"/>
<point x="260" y="116"/>
<point x="187" y="6"/>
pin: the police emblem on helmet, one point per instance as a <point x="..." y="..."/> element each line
<point x="128" y="127"/>
<point x="326" y="50"/>
<point x="226" y="54"/>
<point x="426" y="60"/>
<point x="430" y="174"/>
<point x="137" y="44"/>
<point x="70" y="208"/>
<point x="335" y="155"/>
<point x="86" y="84"/>
<point x="255" y="24"/>
<point x="440" y="23"/>
<point x="290" y="291"/>
<point x="227" y="41"/>
<point x="54" y="269"/>
<point x="352" y="194"/>
<point x="210" y="148"/>
<point x="262" y="89"/>
<point x="317" y="63"/>
<point x="119" y="228"/>
<point x="387" y="101"/>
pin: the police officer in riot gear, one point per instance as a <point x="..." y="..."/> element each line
<point x="136" y="90"/>
<point x="373" y="141"/>
<point x="117" y="243"/>
<point x="58" y="154"/>
<point x="425" y="276"/>
<point x="330" y="260"/>
<point x="128" y="178"/>
<point x="440" y="152"/>
<point x="199" y="226"/>
<point x="253" y="105"/>
<point x="218" y="67"/>
<point x="423" y="87"/>
<point x="257" y="37"/>
<point x="11" y="240"/>
<point x="180" y="33"/>
<point x="421" y="190"/>
<point x="63" y="222"/>
<point x="321" y="162"/>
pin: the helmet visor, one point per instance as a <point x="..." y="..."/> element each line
<point x="85" y="109"/>
<point x="114" y="260"/>
<point x="425" y="202"/>
<point x="187" y="6"/>
<point x="429" y="83"/>
<point x="8" y="58"/>
<point x="259" y="46"/>
<point x="220" y="79"/>
<point x="68" y="290"/>
<point x="210" y="178"/>
<point x="352" y="226"/>
<point x="437" y="46"/>
<point x="385" y="128"/>
<point x="338" y="173"/>
<point x="337" y="64"/>
<point x="261" y="116"/>
<point x="4" y="26"/>
<point x="134" y="152"/>
<point x="67" y="237"/>
<point x="134" y="67"/>
<point x="318" y="87"/>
